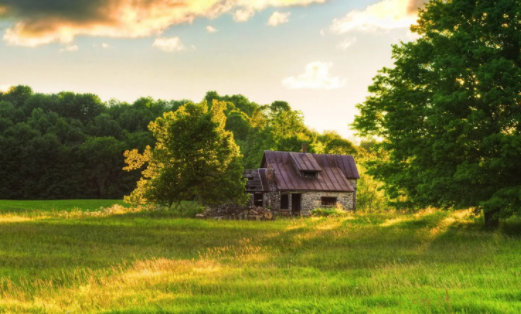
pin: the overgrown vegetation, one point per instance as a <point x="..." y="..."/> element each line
<point x="153" y="262"/>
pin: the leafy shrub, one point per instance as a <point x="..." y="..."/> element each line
<point x="328" y="212"/>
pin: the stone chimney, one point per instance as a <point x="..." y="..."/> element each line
<point x="304" y="148"/>
<point x="270" y="175"/>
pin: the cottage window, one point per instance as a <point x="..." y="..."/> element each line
<point x="310" y="174"/>
<point x="284" y="201"/>
<point x="329" y="201"/>
<point x="258" y="199"/>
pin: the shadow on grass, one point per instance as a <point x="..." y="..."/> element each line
<point x="475" y="225"/>
<point x="511" y="228"/>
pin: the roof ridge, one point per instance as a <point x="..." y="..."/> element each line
<point x="283" y="151"/>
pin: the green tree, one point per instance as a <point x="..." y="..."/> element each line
<point x="449" y="112"/>
<point x="239" y="124"/>
<point x="330" y="142"/>
<point x="279" y="106"/>
<point x="67" y="145"/>
<point x="194" y="157"/>
<point x="370" y="191"/>
<point x="103" y="163"/>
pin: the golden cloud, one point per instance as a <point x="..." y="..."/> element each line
<point x="38" y="23"/>
<point x="384" y="15"/>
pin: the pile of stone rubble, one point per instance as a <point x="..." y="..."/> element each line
<point x="236" y="212"/>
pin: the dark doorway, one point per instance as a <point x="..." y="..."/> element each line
<point x="284" y="201"/>
<point x="258" y="199"/>
<point x="296" y="200"/>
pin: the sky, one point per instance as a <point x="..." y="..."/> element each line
<point x="318" y="55"/>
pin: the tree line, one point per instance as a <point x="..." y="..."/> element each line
<point x="71" y="146"/>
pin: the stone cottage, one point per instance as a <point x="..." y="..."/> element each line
<point x="297" y="183"/>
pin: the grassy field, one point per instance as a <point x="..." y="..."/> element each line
<point x="125" y="261"/>
<point x="30" y="207"/>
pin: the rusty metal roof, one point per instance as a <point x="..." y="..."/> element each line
<point x="336" y="169"/>
<point x="257" y="180"/>
<point x="305" y="162"/>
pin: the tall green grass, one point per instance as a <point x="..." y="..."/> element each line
<point x="154" y="262"/>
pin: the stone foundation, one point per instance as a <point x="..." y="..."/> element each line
<point x="310" y="200"/>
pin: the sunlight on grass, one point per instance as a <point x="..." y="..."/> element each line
<point x="393" y="221"/>
<point x="27" y="207"/>
<point x="7" y="219"/>
<point x="75" y="213"/>
<point x="132" y="261"/>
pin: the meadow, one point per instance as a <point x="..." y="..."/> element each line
<point x="75" y="258"/>
<point x="45" y="207"/>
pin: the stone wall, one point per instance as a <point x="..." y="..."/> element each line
<point x="272" y="200"/>
<point x="354" y="183"/>
<point x="310" y="200"/>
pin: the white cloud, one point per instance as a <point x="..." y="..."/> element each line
<point x="121" y="18"/>
<point x="73" y="48"/>
<point x="4" y="88"/>
<point x="278" y="18"/>
<point x="384" y="15"/>
<point x="243" y="15"/>
<point x="105" y="46"/>
<point x="316" y="76"/>
<point x="347" y="43"/>
<point x="211" y="29"/>
<point x="170" y="44"/>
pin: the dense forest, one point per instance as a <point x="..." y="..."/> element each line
<point x="69" y="146"/>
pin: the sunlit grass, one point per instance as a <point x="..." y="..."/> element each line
<point x="151" y="262"/>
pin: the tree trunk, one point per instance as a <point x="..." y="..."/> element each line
<point x="200" y="200"/>
<point x="491" y="220"/>
<point x="101" y="187"/>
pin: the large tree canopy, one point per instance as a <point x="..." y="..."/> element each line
<point x="194" y="157"/>
<point x="449" y="112"/>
